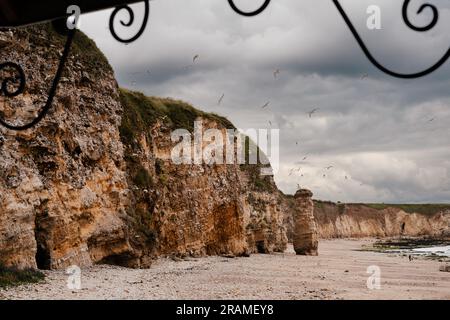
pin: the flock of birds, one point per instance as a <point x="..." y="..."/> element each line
<point x="276" y="75"/>
<point x="297" y="170"/>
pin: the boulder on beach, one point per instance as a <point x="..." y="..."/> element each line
<point x="444" y="268"/>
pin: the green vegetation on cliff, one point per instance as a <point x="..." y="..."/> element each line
<point x="14" y="277"/>
<point x="142" y="112"/>
<point x="427" y="209"/>
<point x="83" y="48"/>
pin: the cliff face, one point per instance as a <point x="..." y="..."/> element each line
<point x="339" y="220"/>
<point x="94" y="182"/>
<point x="62" y="184"/>
<point x="359" y="220"/>
<point x="193" y="209"/>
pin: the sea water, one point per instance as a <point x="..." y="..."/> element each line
<point x="439" y="251"/>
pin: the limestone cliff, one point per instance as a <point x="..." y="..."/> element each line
<point x="377" y="220"/>
<point x="62" y="184"/>
<point x="194" y="209"/>
<point x="94" y="182"/>
<point x="339" y="220"/>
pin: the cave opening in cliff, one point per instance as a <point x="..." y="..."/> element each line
<point x="123" y="260"/>
<point x="261" y="246"/>
<point x="42" y="257"/>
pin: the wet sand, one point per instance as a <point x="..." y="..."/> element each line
<point x="339" y="272"/>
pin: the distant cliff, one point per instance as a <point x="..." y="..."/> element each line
<point x="340" y="220"/>
<point x="94" y="182"/>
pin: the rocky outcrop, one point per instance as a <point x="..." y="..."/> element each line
<point x="304" y="227"/>
<point x="94" y="182"/>
<point x="263" y="216"/>
<point x="444" y="268"/>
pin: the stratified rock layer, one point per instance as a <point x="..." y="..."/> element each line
<point x="341" y="220"/>
<point x="63" y="186"/>
<point x="305" y="231"/>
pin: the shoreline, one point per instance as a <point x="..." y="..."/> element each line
<point x="339" y="272"/>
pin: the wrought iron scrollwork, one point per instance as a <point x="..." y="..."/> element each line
<point x="252" y="13"/>
<point x="22" y="81"/>
<point x="6" y="82"/>
<point x="422" y="7"/>
<point x="19" y="81"/>
<point x="366" y="51"/>
<point x="129" y="23"/>
<point x="361" y="43"/>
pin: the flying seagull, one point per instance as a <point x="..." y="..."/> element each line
<point x="221" y="98"/>
<point x="329" y="167"/>
<point x="195" y="58"/>
<point x="266" y="105"/>
<point x="312" y="112"/>
<point x="276" y="73"/>
<point x="364" y="76"/>
<point x="294" y="170"/>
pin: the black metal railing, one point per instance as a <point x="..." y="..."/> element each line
<point x="22" y="12"/>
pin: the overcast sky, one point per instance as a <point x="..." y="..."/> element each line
<point x="389" y="137"/>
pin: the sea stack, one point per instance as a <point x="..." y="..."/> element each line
<point x="305" y="229"/>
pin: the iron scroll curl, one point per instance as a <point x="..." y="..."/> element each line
<point x="22" y="82"/>
<point x="5" y="83"/>
<point x="407" y="21"/>
<point x="130" y="22"/>
<point x="20" y="79"/>
<point x="251" y="13"/>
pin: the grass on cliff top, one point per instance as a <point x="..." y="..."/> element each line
<point x="258" y="181"/>
<point x="142" y="112"/>
<point x="13" y="277"/>
<point x="83" y="48"/>
<point x="426" y="209"/>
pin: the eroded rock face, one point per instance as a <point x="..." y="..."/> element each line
<point x="197" y="209"/>
<point x="263" y="215"/>
<point x="63" y="187"/>
<point x="359" y="220"/>
<point x="95" y="183"/>
<point x="192" y="210"/>
<point x="305" y="231"/>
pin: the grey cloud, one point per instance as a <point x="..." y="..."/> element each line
<point x="376" y="131"/>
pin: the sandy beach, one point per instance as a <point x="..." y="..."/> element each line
<point x="339" y="272"/>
